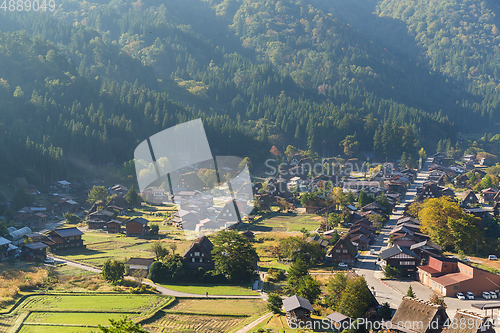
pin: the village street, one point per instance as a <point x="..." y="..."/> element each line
<point x="392" y="291"/>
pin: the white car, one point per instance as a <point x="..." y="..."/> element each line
<point x="466" y="259"/>
<point x="493" y="294"/>
<point x="342" y="265"/>
<point x="486" y="295"/>
<point x="460" y="296"/>
<point x="49" y="261"/>
<point x="469" y="295"/>
<point x="492" y="257"/>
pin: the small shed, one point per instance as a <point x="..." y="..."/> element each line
<point x="140" y="265"/>
<point x="339" y="321"/>
<point x="297" y="308"/>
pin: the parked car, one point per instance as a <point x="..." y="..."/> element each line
<point x="49" y="261"/>
<point x="372" y="251"/>
<point x="492" y="257"/>
<point x="343" y="265"/>
<point x="469" y="295"/>
<point x="460" y="296"/>
<point x="466" y="259"/>
<point x="486" y="295"/>
<point x="493" y="294"/>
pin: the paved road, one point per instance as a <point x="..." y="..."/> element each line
<point x="162" y="290"/>
<point x="367" y="264"/>
<point x="392" y="291"/>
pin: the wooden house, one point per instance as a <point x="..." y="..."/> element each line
<point x="114" y="226"/>
<point x="137" y="227"/>
<point x="469" y="198"/>
<point x="416" y="316"/>
<point x="343" y="251"/>
<point x="139" y="266"/>
<point x="361" y="242"/>
<point x="323" y="243"/>
<point x="199" y="254"/>
<point x="426" y="249"/>
<point x="489" y="194"/>
<point x="298" y="309"/>
<point x="64" y="238"/>
<point x="402" y="258"/>
<point x="102" y="215"/>
<point x="66" y="205"/>
<point x="476" y="323"/>
<point x="189" y="181"/>
<point x="32" y="250"/>
<point x="6" y="248"/>
<point x="118" y="189"/>
<point x="430" y="190"/>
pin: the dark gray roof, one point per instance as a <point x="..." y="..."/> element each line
<point x="295" y="302"/>
<point x="139" y="220"/>
<point x="36" y="246"/>
<point x="392" y="251"/>
<point x="426" y="242"/>
<point x="203" y="243"/>
<point x="102" y="212"/>
<point x="337" y="317"/>
<point x="67" y="232"/>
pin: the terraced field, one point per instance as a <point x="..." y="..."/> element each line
<point x="79" y="313"/>
<point x="206" y="315"/>
<point x="191" y="323"/>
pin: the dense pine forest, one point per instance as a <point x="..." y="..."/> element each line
<point x="83" y="85"/>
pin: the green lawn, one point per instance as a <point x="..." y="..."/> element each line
<point x="212" y="289"/>
<point x="286" y="223"/>
<point x="94" y="302"/>
<point x="74" y="318"/>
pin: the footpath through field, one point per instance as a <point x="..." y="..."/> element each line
<point x="162" y="290"/>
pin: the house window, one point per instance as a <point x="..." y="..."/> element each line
<point x="344" y="251"/>
<point x="338" y="251"/>
<point x="197" y="254"/>
<point x="193" y="259"/>
<point x="201" y="259"/>
<point x="203" y="254"/>
<point x="456" y="287"/>
<point x="230" y="214"/>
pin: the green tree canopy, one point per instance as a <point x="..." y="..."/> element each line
<point x="97" y="193"/>
<point x="233" y="255"/>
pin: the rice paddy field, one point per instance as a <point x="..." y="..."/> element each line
<point x="83" y="313"/>
<point x="78" y="313"/>
<point x="206" y="315"/>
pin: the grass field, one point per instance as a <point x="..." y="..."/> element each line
<point x="93" y="302"/>
<point x="103" y="246"/>
<point x="212" y="289"/>
<point x="287" y="223"/>
<point x="69" y="313"/>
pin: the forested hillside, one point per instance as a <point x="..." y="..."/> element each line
<point x="84" y="84"/>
